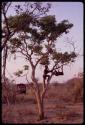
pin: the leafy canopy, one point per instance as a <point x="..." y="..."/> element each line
<point x="36" y="38"/>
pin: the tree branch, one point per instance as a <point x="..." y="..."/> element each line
<point x="8" y="34"/>
<point x="8" y="7"/>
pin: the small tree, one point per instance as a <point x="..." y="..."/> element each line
<point x="36" y="41"/>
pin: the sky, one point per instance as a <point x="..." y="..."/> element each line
<point x="73" y="12"/>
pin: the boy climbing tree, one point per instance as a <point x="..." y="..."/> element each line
<point x="46" y="76"/>
<point x="35" y="40"/>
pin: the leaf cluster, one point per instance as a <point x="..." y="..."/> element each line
<point x="20" y="22"/>
<point x="18" y="73"/>
<point x="37" y="49"/>
<point x="47" y="23"/>
<point x="43" y="27"/>
<point x="45" y="61"/>
<point x="64" y="57"/>
<point x="14" y="44"/>
<point x="26" y="67"/>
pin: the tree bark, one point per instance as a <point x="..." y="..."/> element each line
<point x="3" y="73"/>
<point x="4" y="62"/>
<point x="40" y="105"/>
<point x="39" y="98"/>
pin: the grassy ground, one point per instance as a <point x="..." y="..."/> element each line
<point x="60" y="105"/>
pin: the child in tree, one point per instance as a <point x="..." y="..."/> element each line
<point x="45" y="75"/>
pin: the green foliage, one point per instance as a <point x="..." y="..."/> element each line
<point x="13" y="51"/>
<point x="44" y="28"/>
<point x="18" y="73"/>
<point x="15" y="42"/>
<point x="30" y="46"/>
<point x="49" y="49"/>
<point x="56" y="55"/>
<point x="73" y="55"/>
<point x="37" y="49"/>
<point x="26" y="67"/>
<point x="63" y="27"/>
<point x="45" y="61"/>
<point x="20" y="22"/>
<point x="47" y="23"/>
<point x="36" y="36"/>
<point x="64" y="57"/>
<point x="69" y="57"/>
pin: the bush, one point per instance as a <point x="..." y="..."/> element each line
<point x="75" y="90"/>
<point x="8" y="93"/>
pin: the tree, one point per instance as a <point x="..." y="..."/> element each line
<point x="6" y="35"/>
<point x="36" y="41"/>
<point x="8" y="32"/>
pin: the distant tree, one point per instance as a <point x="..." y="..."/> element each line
<point x="36" y="38"/>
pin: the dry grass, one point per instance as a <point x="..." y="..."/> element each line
<point x="63" y="104"/>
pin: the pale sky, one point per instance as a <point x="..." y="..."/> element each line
<point x="73" y="12"/>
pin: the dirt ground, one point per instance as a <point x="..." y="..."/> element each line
<point x="27" y="113"/>
<point x="57" y="106"/>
